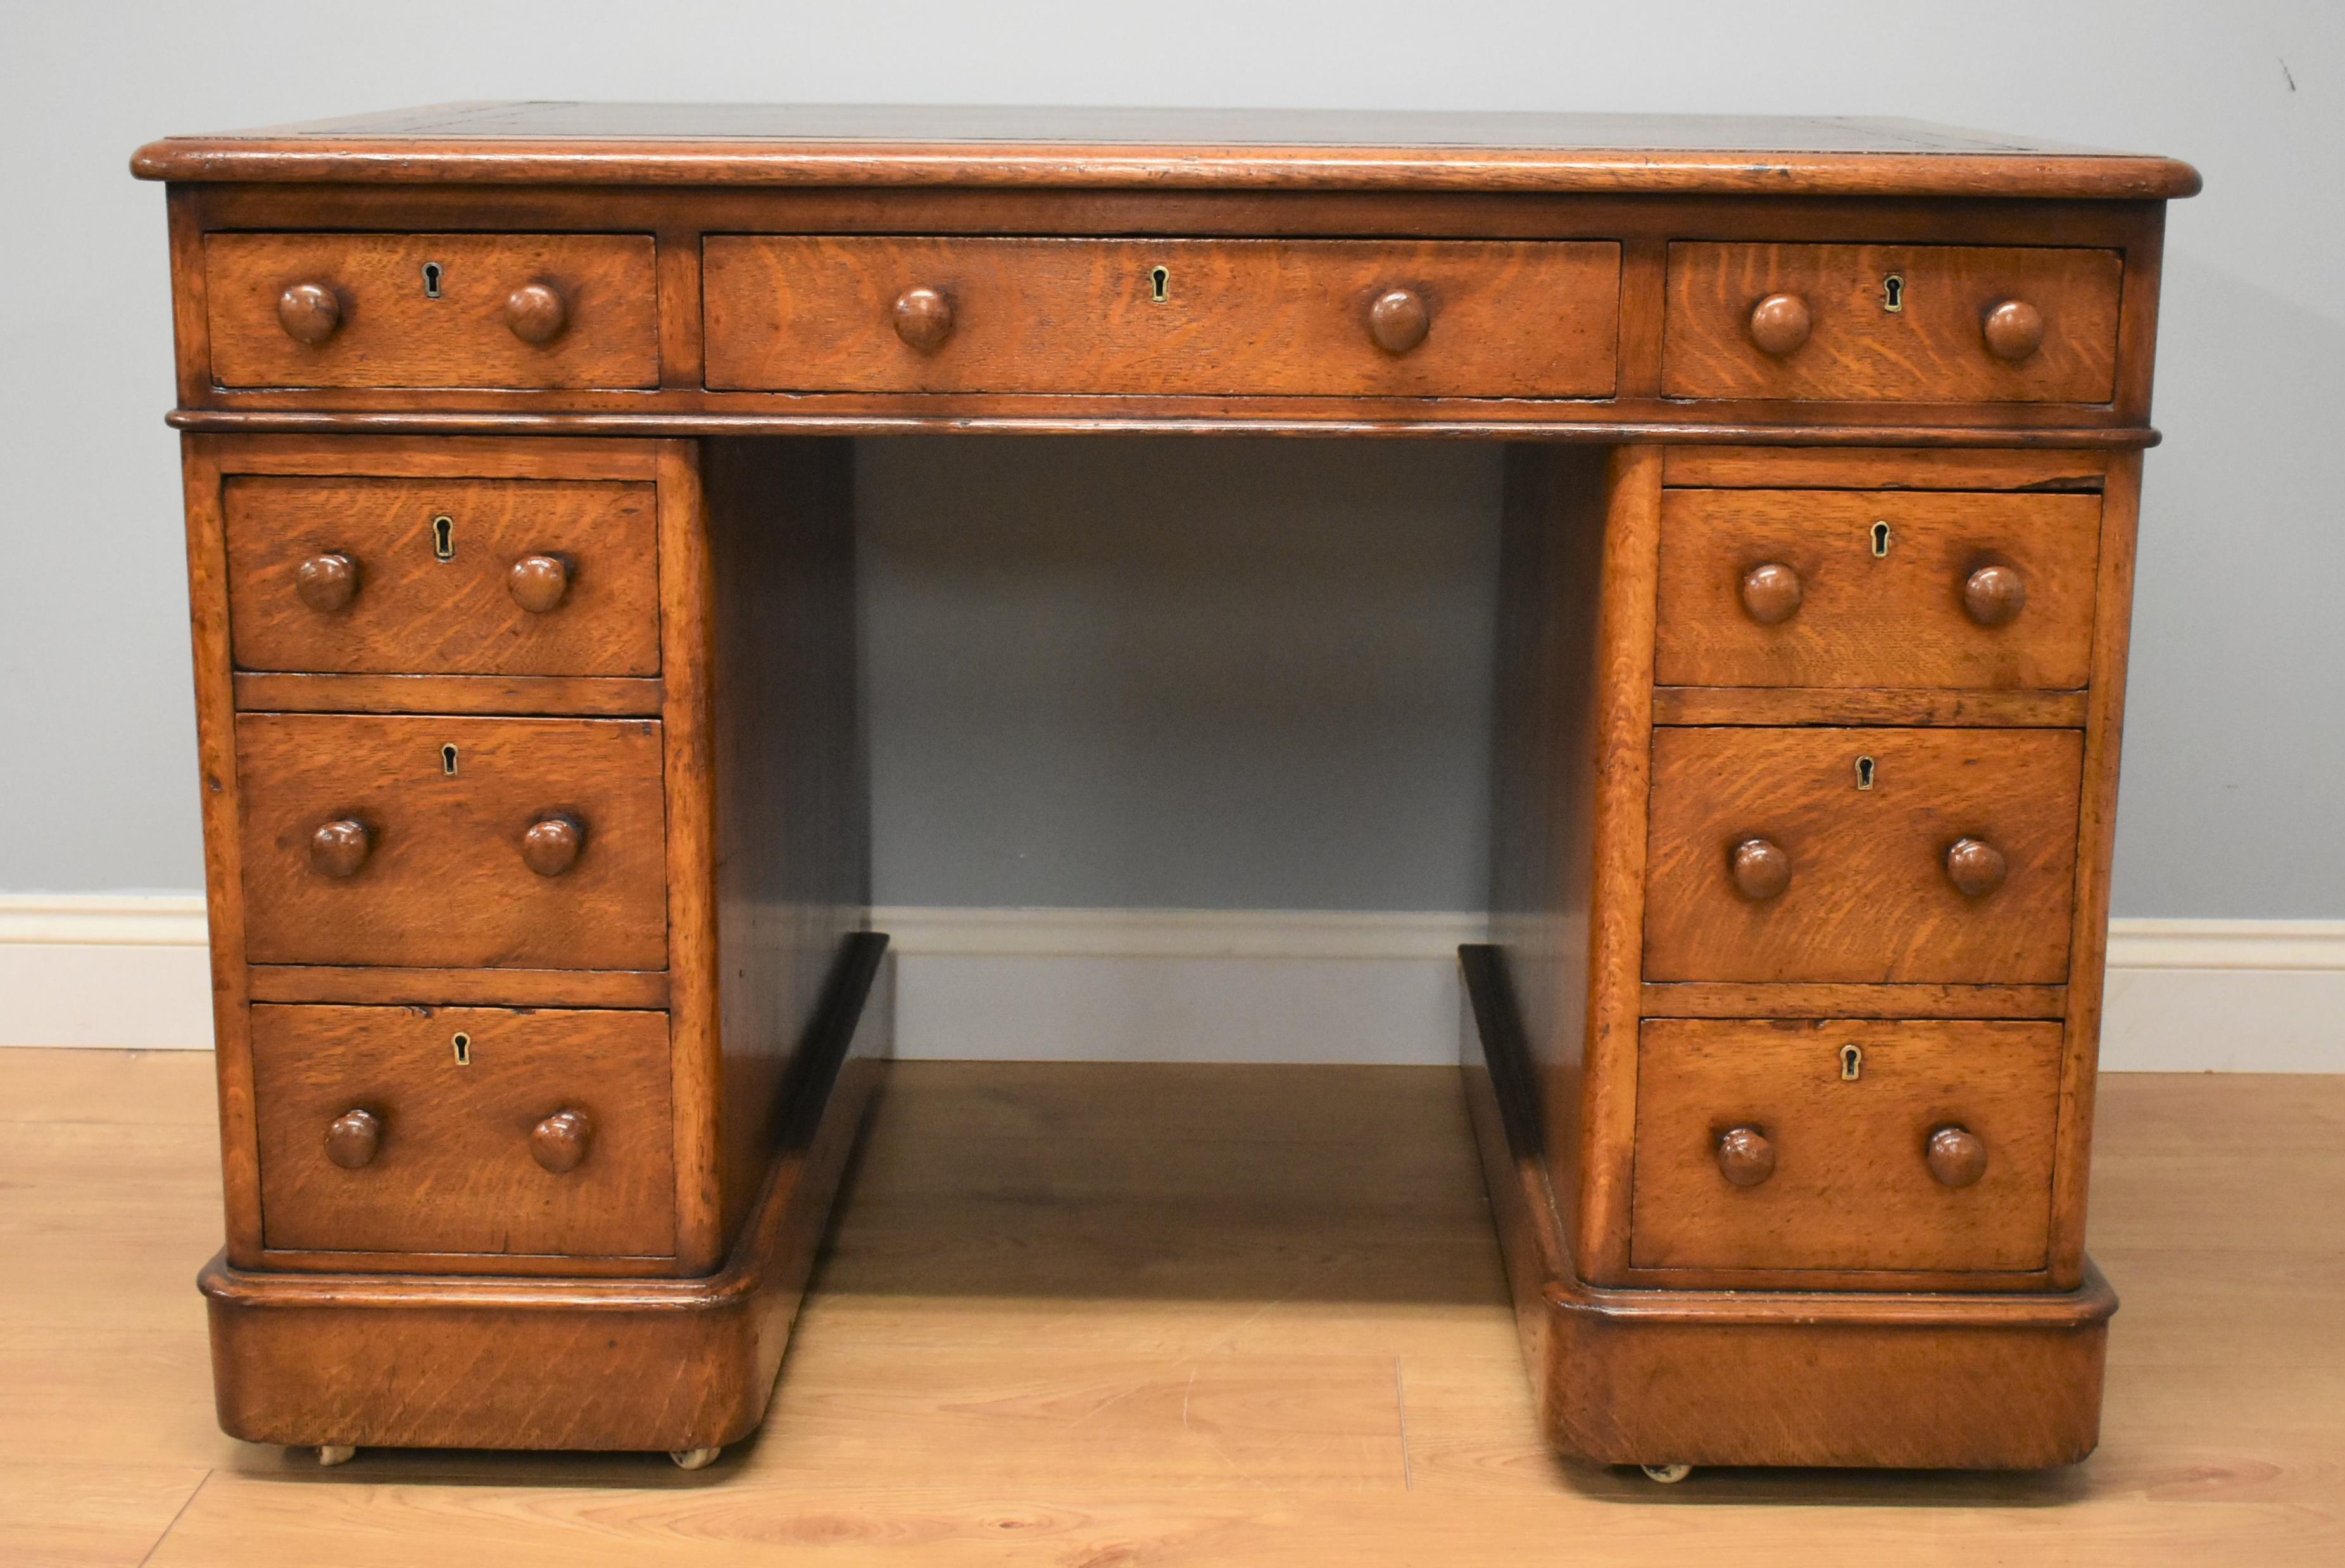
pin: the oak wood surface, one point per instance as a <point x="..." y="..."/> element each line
<point x="1869" y="898"/>
<point x="597" y="696"/>
<point x="1780" y="705"/>
<point x="445" y="884"/>
<point x="1848" y="1185"/>
<point x="1831" y="468"/>
<point x="1858" y="619"/>
<point x="1236" y="316"/>
<point x="453" y="1172"/>
<point x="388" y="332"/>
<point x="1778" y="999"/>
<point x="953" y="1345"/>
<point x="1932" y="348"/>
<point x="414" y="612"/>
<point x="503" y="987"/>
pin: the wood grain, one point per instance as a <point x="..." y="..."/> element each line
<point x="1832" y="468"/>
<point x="585" y="695"/>
<point x="1238" y="317"/>
<point x="1869" y="900"/>
<point x="416" y="614"/>
<point x="1932" y="348"/>
<point x="453" y="1172"/>
<point x="393" y="335"/>
<point x="445" y="885"/>
<point x="1868" y="620"/>
<point x="1850" y="1189"/>
<point x="1773" y="706"/>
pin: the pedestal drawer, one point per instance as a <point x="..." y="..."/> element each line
<point x="520" y="310"/>
<point x="1858" y="588"/>
<point x="1945" y="856"/>
<point x="1921" y="1145"/>
<point x="1339" y="318"/>
<point x="443" y="843"/>
<point x="1946" y="323"/>
<point x="473" y="1130"/>
<point x="427" y="576"/>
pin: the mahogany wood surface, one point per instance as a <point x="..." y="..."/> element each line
<point x="1848" y="344"/>
<point x="1849" y="1182"/>
<point x="1858" y="618"/>
<point x="1869" y="897"/>
<point x="446" y="883"/>
<point x="412" y="611"/>
<point x="456" y="1170"/>
<point x="1235" y="317"/>
<point x="589" y="324"/>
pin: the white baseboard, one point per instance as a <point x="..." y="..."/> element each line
<point x="1145" y="985"/>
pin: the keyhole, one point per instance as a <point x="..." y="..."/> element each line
<point x="1160" y="285"/>
<point x="463" y="1043"/>
<point x="448" y="761"/>
<point x="1892" y="293"/>
<point x="1865" y="773"/>
<point x="1880" y="541"/>
<point x="443" y="537"/>
<point x="431" y="271"/>
<point x="1851" y="1062"/>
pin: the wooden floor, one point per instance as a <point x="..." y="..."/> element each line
<point x="1119" y="1315"/>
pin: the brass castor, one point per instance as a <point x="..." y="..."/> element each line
<point x="693" y="1458"/>
<point x="336" y="1452"/>
<point x="1668" y="1474"/>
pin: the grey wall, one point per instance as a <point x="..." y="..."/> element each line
<point x="1200" y="790"/>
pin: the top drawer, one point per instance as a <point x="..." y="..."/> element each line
<point x="1862" y="323"/>
<point x="513" y="311"/>
<point x="1337" y="318"/>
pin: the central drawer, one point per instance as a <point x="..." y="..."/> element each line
<point x="444" y="843"/>
<point x="464" y="1130"/>
<point x="1336" y="318"/>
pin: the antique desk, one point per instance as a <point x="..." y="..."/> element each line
<point x="519" y="551"/>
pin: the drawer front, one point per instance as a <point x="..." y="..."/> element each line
<point x="420" y="576"/>
<point x="361" y="847"/>
<point x="518" y="310"/>
<point x="1757" y="1150"/>
<point x="1826" y="330"/>
<point x="550" y="1136"/>
<point x="1851" y="589"/>
<point x="1261" y="317"/>
<point x="1767" y="861"/>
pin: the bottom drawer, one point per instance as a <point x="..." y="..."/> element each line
<point x="463" y="1131"/>
<point x="1766" y="1144"/>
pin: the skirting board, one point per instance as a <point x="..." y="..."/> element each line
<point x="1224" y="985"/>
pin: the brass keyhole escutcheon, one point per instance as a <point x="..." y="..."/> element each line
<point x="432" y="273"/>
<point x="444" y="538"/>
<point x="1160" y="285"/>
<point x="448" y="760"/>
<point x="1880" y="541"/>
<point x="463" y="1046"/>
<point x="1864" y="772"/>
<point x="1893" y="294"/>
<point x="1852" y="1063"/>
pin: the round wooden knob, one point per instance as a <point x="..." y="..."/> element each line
<point x="1780" y="323"/>
<point x="537" y="583"/>
<point x="353" y="1139"/>
<point x="339" y="847"/>
<point x="1975" y="867"/>
<point x="924" y="319"/>
<point x="1995" y="595"/>
<point x="1745" y="1157"/>
<point x="559" y="1142"/>
<point x="1956" y="1156"/>
<point x="1771" y="593"/>
<point x="2013" y="329"/>
<point x="1762" y="870"/>
<point x="309" y="312"/>
<point x="536" y="313"/>
<point x="1399" y="321"/>
<point x="551" y="845"/>
<point x="327" y="582"/>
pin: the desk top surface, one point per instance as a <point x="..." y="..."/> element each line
<point x="841" y="144"/>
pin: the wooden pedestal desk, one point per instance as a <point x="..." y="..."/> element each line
<point x="520" y="550"/>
